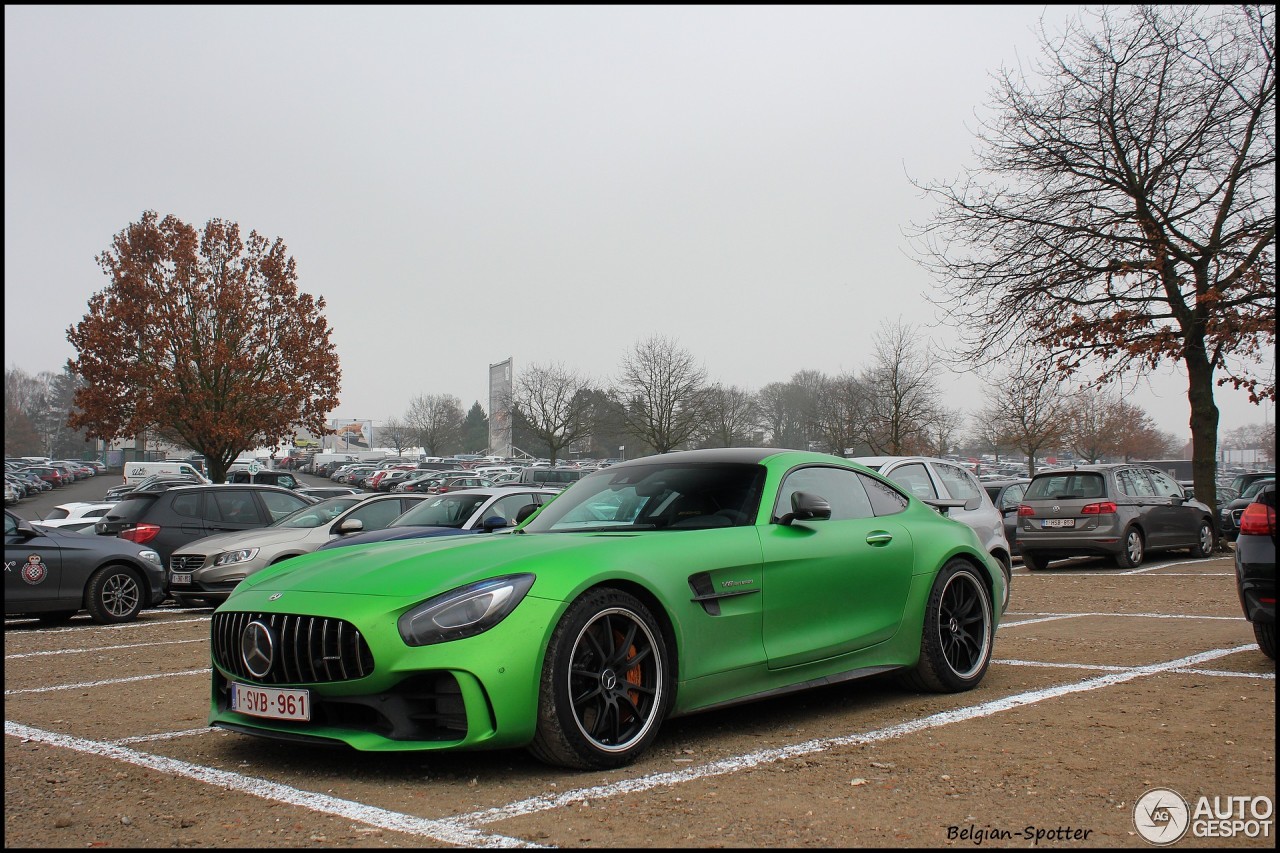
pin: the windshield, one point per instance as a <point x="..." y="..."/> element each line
<point x="443" y="511"/>
<point x="656" y="496"/>
<point x="318" y="514"/>
<point x="1254" y="488"/>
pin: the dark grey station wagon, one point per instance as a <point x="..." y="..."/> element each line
<point x="1122" y="511"/>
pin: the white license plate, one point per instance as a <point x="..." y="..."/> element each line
<point x="1059" y="522"/>
<point x="180" y="577"/>
<point x="271" y="702"/>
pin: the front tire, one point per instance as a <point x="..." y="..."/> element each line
<point x="1205" y="540"/>
<point x="114" y="594"/>
<point x="1135" y="548"/>
<point x="955" y="646"/>
<point x="606" y="684"/>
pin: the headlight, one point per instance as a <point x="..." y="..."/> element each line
<point x="240" y="556"/>
<point x="464" y="612"/>
<point x="151" y="557"/>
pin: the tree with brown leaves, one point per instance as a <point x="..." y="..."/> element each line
<point x="1123" y="211"/>
<point x="204" y="338"/>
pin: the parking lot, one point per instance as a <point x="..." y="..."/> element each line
<point x="1106" y="683"/>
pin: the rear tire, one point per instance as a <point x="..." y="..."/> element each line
<point x="1266" y="636"/>
<point x="959" y="629"/>
<point x="1135" y="548"/>
<point x="114" y="594"/>
<point x="1034" y="562"/>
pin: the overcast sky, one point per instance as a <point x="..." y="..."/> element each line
<point x="549" y="184"/>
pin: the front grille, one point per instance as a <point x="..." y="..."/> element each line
<point x="307" y="649"/>
<point x="185" y="562"/>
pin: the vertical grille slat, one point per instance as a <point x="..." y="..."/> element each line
<point x="308" y="649"/>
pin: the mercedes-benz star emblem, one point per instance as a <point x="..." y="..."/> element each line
<point x="257" y="648"/>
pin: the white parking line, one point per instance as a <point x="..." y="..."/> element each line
<point x="105" y="683"/>
<point x="448" y="832"/>
<point x="162" y="736"/>
<point x="100" y="649"/>
<point x="89" y="626"/>
<point x="461" y="829"/>
<point x="1138" y="616"/>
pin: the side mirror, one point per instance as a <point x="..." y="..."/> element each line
<point x="492" y="523"/>
<point x="351" y="525"/>
<point x="806" y="507"/>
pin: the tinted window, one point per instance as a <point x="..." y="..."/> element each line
<point x="376" y="514"/>
<point x="132" y="508"/>
<point x="1067" y="485"/>
<point x="841" y="487"/>
<point x="233" y="506"/>
<point x="885" y="499"/>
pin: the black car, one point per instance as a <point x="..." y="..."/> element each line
<point x="1229" y="517"/>
<point x="154" y="483"/>
<point x="53" y="575"/>
<point x="1007" y="495"/>
<point x="170" y="519"/>
<point x="1256" y="567"/>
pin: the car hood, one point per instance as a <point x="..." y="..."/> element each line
<point x="257" y="537"/>
<point x="417" y="567"/>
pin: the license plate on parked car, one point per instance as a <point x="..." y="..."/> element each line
<point x="271" y="702"/>
<point x="180" y="577"/>
<point x="1059" y="522"/>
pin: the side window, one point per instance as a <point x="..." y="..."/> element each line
<point x="885" y="499"/>
<point x="1134" y="483"/>
<point x="187" y="505"/>
<point x="915" y="479"/>
<point x="958" y="482"/>
<point x="1165" y="487"/>
<point x="234" y="506"/>
<point x="508" y="507"/>
<point x="1013" y="495"/>
<point x="10" y="525"/>
<point x="377" y="514"/>
<point x="278" y="505"/>
<point x="842" y="488"/>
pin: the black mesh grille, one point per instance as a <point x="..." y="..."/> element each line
<point x="307" y="649"/>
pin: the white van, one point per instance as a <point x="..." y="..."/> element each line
<point x="136" y="472"/>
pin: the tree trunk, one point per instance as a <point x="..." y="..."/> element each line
<point x="1204" y="430"/>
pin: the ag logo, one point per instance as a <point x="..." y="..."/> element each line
<point x="34" y="571"/>
<point x="1161" y="816"/>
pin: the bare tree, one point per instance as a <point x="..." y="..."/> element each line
<point x="730" y="416"/>
<point x="942" y="430"/>
<point x="437" y="421"/>
<point x="1095" y="425"/>
<point x="1027" y="408"/>
<point x="556" y="405"/>
<point x="398" y="434"/>
<point x="839" y="413"/>
<point x="1123" y="211"/>
<point x="901" y="394"/>
<point x="663" y="393"/>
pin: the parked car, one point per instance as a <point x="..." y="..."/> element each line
<point x="1243" y="481"/>
<point x="1255" y="561"/>
<point x="51" y="475"/>
<point x="283" y="479"/>
<point x="954" y="491"/>
<point x="1006" y="496"/>
<point x="554" y="477"/>
<point x="453" y="484"/>
<point x="56" y="575"/>
<point x="168" y="520"/>
<point x="424" y="481"/>
<point x="11" y="494"/>
<point x="1123" y="511"/>
<point x="78" y="515"/>
<point x="580" y="634"/>
<point x="206" y="570"/>
<point x="154" y="483"/>
<point x="465" y="511"/>
<point x="1229" y="517"/>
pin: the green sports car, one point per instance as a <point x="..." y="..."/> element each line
<point x="653" y="588"/>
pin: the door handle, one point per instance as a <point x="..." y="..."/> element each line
<point x="879" y="537"/>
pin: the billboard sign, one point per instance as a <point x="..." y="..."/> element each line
<point x="351" y="434"/>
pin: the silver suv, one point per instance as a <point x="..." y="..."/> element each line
<point x="955" y="492"/>
<point x="1120" y="510"/>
